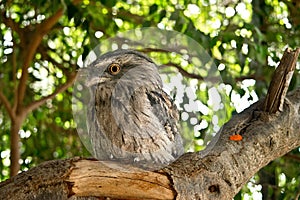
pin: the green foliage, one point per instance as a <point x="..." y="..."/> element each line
<point x="244" y="38"/>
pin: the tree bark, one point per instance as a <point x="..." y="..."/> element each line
<point x="14" y="146"/>
<point x="221" y="173"/>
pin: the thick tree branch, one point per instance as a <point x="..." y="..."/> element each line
<point x="222" y="170"/>
<point x="143" y="184"/>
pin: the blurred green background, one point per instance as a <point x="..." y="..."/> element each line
<point x="43" y="44"/>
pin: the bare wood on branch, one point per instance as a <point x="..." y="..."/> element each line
<point x="131" y="182"/>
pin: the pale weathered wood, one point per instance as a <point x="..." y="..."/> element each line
<point x="99" y="178"/>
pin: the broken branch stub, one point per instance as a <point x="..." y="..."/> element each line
<point x="280" y="81"/>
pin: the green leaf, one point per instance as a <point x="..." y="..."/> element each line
<point x="153" y="8"/>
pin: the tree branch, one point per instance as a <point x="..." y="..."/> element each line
<point x="45" y="56"/>
<point x="143" y="184"/>
<point x="128" y="16"/>
<point x="34" y="105"/>
<point x="281" y="81"/>
<point x="44" y="27"/>
<point x="41" y="30"/>
<point x="182" y="71"/>
<point x="11" y="23"/>
<point x="294" y="157"/>
<point x="7" y="105"/>
<point x="221" y="170"/>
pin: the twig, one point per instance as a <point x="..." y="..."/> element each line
<point x="183" y="71"/>
<point x="45" y="56"/>
<point x="36" y="104"/>
<point x="11" y="23"/>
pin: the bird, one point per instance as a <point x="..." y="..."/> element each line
<point x="131" y="119"/>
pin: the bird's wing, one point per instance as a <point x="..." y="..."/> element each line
<point x="166" y="113"/>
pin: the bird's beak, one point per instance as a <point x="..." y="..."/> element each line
<point x="96" y="80"/>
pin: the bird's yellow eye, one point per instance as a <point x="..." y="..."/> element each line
<point x="114" y="69"/>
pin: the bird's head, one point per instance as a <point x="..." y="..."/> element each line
<point x="125" y="67"/>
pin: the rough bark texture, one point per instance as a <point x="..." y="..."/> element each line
<point x="46" y="181"/>
<point x="220" y="173"/>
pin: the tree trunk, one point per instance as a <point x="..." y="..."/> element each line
<point x="17" y="112"/>
<point x="14" y="146"/>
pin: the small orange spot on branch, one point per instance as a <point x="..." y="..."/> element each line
<point x="236" y="137"/>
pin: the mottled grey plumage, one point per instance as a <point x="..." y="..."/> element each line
<point x="131" y="119"/>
